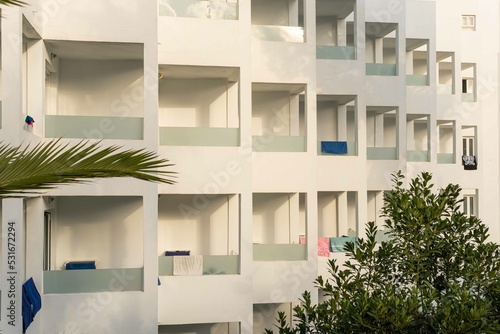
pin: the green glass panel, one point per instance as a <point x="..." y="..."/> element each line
<point x="279" y="252"/>
<point x="279" y="144"/>
<point x="381" y="153"/>
<point x="381" y="69"/>
<point x="335" y="52"/>
<point x="178" y="136"/>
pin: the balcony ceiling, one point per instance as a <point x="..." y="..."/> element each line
<point x="199" y="72"/>
<point x="95" y="50"/>
<point x="278" y="87"/>
<point x="338" y="8"/>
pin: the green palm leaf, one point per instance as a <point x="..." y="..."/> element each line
<point x="46" y="165"/>
<point x="12" y="3"/>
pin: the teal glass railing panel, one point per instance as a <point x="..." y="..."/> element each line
<point x="337" y="244"/>
<point x="468" y="97"/>
<point x="212" y="265"/>
<point x="382" y="236"/>
<point x="94" y="127"/>
<point x="352" y="149"/>
<point x="279" y="144"/>
<point x="215" y="10"/>
<point x="417" y="80"/>
<point x="417" y="155"/>
<point x="381" y="153"/>
<point x="279" y="252"/>
<point x="97" y="280"/>
<point x="335" y="52"/>
<point x="444" y="89"/>
<point x="445" y="158"/>
<point x="381" y="69"/>
<point x="174" y="136"/>
<point x="278" y="33"/>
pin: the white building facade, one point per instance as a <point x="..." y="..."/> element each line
<point x="285" y="120"/>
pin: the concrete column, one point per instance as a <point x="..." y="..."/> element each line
<point x="342" y="214"/>
<point x="341" y="32"/>
<point x="13" y="264"/>
<point x="379" y="51"/>
<point x="294" y="218"/>
<point x="342" y="122"/>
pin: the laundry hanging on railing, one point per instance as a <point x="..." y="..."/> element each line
<point x="334" y="147"/>
<point x="469" y="162"/>
<point x="32" y="303"/>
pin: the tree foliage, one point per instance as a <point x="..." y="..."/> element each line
<point x="437" y="273"/>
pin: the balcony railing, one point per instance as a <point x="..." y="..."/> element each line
<point x="215" y="10"/>
<point x="212" y="265"/>
<point x="335" y="52"/>
<point x="278" y="33"/>
<point x="94" y="127"/>
<point x="468" y="97"/>
<point x="279" y="144"/>
<point x="381" y="69"/>
<point x="417" y="155"/>
<point x="381" y="153"/>
<point x="279" y="252"/>
<point x="93" y="280"/>
<point x="180" y="136"/>
<point x="445" y="158"/>
<point x="417" y="80"/>
<point x="444" y="89"/>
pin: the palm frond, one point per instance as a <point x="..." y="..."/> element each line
<point x="12" y="3"/>
<point x="46" y="165"/>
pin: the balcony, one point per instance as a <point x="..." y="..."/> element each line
<point x="381" y="69"/>
<point x="381" y="153"/>
<point x="279" y="252"/>
<point x="189" y="136"/>
<point x="215" y="10"/>
<point x="335" y="52"/>
<point x="212" y="265"/>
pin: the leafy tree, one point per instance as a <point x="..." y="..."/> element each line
<point x="437" y="273"/>
<point x="28" y="170"/>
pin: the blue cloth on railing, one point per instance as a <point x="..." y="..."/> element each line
<point x="31" y="303"/>
<point x="177" y="253"/>
<point x="337" y="243"/>
<point x="334" y="147"/>
<point x="79" y="265"/>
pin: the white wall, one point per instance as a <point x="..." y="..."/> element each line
<point x="198" y="103"/>
<point x="100" y="87"/>
<point x="106" y="229"/>
<point x="271" y="113"/>
<point x="204" y="225"/>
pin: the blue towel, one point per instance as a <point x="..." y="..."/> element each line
<point x="80" y="265"/>
<point x="334" y="147"/>
<point x="32" y="303"/>
<point x="177" y="253"/>
<point x="337" y="244"/>
<point x="26" y="311"/>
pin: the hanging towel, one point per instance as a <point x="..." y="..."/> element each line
<point x="324" y="246"/>
<point x="334" y="147"/>
<point x="188" y="265"/>
<point x="31" y="303"/>
<point x="337" y="243"/>
<point x="469" y="162"/>
<point x="177" y="253"/>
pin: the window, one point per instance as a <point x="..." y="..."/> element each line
<point x="469" y="206"/>
<point x="468" y="145"/>
<point x="469" y="22"/>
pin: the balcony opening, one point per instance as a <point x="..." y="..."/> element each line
<point x="469" y="82"/>
<point x="94" y="90"/>
<point x="381" y="48"/>
<point x="206" y="328"/>
<point x="279" y="227"/>
<point x="335" y="33"/>
<point x="202" y="9"/>
<point x="382" y="133"/>
<point x="91" y="239"/>
<point x="199" y="106"/>
<point x="278" y="20"/>
<point x="278" y="117"/>
<point x="445" y="68"/>
<point x="337" y="124"/>
<point x="337" y="219"/>
<point x="469" y="147"/>
<point x="469" y="204"/>
<point x="199" y="229"/>
<point x="418" y="132"/>
<point x="446" y="137"/>
<point x="469" y="22"/>
<point x="375" y="202"/>
<point x="265" y="315"/>
<point x="417" y="62"/>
